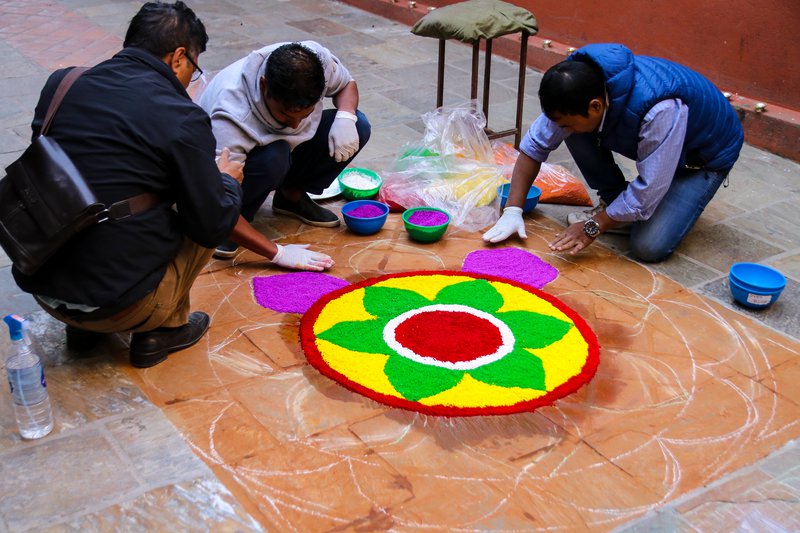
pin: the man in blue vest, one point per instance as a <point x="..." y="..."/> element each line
<point x="679" y="128"/>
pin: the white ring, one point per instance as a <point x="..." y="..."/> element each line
<point x="389" y="336"/>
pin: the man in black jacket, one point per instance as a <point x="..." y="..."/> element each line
<point x="130" y="128"/>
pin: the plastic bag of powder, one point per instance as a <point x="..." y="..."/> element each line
<point x="559" y="185"/>
<point x="452" y="168"/>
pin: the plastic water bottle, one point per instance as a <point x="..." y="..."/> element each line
<point x="26" y="380"/>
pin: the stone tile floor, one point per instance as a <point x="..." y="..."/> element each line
<point x="689" y="425"/>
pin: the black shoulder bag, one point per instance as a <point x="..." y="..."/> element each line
<point x="45" y="201"/>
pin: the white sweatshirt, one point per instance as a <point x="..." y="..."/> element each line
<point x="239" y="116"/>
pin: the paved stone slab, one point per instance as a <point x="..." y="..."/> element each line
<point x="59" y="477"/>
<point x="202" y="504"/>
<point x="781" y="315"/>
<point x="159" y="454"/>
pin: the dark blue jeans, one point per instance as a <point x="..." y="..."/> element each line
<point x="308" y="167"/>
<point x="656" y="238"/>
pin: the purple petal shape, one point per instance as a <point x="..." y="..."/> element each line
<point x="511" y="263"/>
<point x="295" y="292"/>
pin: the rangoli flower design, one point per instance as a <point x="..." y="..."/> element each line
<point x="452" y="343"/>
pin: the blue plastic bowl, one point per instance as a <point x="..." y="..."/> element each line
<point x="530" y="201"/>
<point x="753" y="298"/>
<point x="364" y="226"/>
<point x="757" y="277"/>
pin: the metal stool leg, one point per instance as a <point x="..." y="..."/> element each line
<point x="487" y="74"/>
<point x="523" y="59"/>
<point x="440" y="80"/>
<point x="476" y="48"/>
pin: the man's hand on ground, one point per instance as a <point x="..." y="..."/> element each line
<point x="572" y="240"/>
<point x="299" y="257"/>
<point x="233" y="168"/>
<point x="511" y="222"/>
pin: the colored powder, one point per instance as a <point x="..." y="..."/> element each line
<point x="511" y="263"/>
<point x="449" y="336"/>
<point x="428" y="218"/>
<point x="357" y="180"/>
<point x="366" y="211"/>
<point x="295" y="292"/>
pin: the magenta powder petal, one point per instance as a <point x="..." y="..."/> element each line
<point x="513" y="264"/>
<point x="294" y="292"/>
<point x="366" y="211"/>
<point x="428" y="218"/>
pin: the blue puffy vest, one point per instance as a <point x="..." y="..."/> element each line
<point x="635" y="84"/>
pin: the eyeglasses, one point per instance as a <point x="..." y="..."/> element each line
<point x="198" y="72"/>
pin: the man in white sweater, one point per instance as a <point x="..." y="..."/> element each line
<point x="267" y="108"/>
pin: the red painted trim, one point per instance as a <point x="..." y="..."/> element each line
<point x="307" y="340"/>
<point x="777" y="130"/>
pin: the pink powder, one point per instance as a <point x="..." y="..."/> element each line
<point x="511" y="263"/>
<point x="428" y="218"/>
<point x="294" y="292"/>
<point x="366" y="211"/>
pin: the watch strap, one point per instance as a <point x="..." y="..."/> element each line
<point x="591" y="228"/>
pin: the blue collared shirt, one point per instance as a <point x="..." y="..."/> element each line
<point x="661" y="138"/>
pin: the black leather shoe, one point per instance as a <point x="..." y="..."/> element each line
<point x="151" y="347"/>
<point x="226" y="250"/>
<point x="82" y="340"/>
<point x="306" y="210"/>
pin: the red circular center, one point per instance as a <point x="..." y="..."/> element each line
<point x="450" y="336"/>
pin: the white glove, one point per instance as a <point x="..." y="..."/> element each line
<point x="343" y="137"/>
<point x="298" y="257"/>
<point x="510" y="222"/>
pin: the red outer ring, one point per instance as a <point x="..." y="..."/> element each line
<point x="314" y="356"/>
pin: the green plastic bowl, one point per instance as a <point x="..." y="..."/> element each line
<point x="424" y="233"/>
<point x="352" y="193"/>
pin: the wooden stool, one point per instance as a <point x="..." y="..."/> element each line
<point x="470" y="22"/>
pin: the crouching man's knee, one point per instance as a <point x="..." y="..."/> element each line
<point x="363" y="127"/>
<point x="651" y="251"/>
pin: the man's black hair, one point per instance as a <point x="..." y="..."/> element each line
<point x="569" y="86"/>
<point x="295" y="76"/>
<point x="160" y="28"/>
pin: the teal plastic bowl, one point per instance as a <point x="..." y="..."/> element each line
<point x="753" y="298"/>
<point x="530" y="200"/>
<point x="424" y="233"/>
<point x="755" y="286"/>
<point x="362" y="225"/>
<point x="757" y="277"/>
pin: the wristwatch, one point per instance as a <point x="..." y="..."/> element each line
<point x="591" y="228"/>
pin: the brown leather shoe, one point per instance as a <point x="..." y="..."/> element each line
<point x="152" y="347"/>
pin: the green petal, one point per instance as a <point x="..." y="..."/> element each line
<point x="520" y="368"/>
<point x="360" y="336"/>
<point x="534" y="330"/>
<point x="478" y="293"/>
<point x="416" y="381"/>
<point x="389" y="302"/>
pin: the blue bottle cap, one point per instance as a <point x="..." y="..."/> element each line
<point x="14" y="323"/>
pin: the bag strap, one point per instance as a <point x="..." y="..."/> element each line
<point x="61" y="91"/>
<point x="130" y="206"/>
<point x="123" y="208"/>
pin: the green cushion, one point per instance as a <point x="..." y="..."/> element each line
<point x="473" y="20"/>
